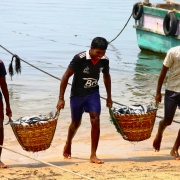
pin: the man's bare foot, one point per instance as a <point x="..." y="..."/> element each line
<point x="157" y="143"/>
<point x="175" y="154"/>
<point x="2" y="165"/>
<point x="96" y="160"/>
<point x="67" y="151"/>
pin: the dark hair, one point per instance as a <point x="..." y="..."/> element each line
<point x="99" y="42"/>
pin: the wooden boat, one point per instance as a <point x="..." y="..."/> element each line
<point x="157" y="25"/>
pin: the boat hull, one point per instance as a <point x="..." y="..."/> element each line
<point x="151" y="41"/>
<point x="150" y="33"/>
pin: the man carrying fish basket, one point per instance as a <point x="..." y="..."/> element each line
<point x="86" y="67"/>
<point x="171" y="99"/>
<point x="5" y="92"/>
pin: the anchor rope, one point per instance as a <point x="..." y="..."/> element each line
<point x="61" y="79"/>
<point x="47" y="163"/>
<point x="121" y="30"/>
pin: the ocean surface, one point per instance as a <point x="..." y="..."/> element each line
<point x="47" y="34"/>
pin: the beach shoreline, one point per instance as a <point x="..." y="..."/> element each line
<point x="139" y="165"/>
<point x="123" y="159"/>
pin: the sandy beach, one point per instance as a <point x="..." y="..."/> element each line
<point x="47" y="35"/>
<point x="123" y="159"/>
<point x="141" y="166"/>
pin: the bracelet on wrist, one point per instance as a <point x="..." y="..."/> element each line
<point x="61" y="97"/>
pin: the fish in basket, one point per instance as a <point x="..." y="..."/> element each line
<point x="134" y="123"/>
<point x="35" y="133"/>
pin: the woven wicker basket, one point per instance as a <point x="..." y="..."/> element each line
<point x="134" y="127"/>
<point x="35" y="137"/>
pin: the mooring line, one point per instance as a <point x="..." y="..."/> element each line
<point x="60" y="79"/>
<point x="31" y="64"/>
<point x="46" y="72"/>
<point x="121" y="30"/>
<point x="47" y="163"/>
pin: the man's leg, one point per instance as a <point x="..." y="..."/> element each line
<point x="71" y="133"/>
<point x="93" y="106"/>
<point x="95" y="133"/>
<point x="76" y="116"/>
<point x="1" y="135"/>
<point x="170" y="105"/>
<point x="158" y="138"/>
<point x="2" y="165"/>
<point x="174" y="151"/>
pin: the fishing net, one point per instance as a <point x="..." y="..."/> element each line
<point x="133" y="125"/>
<point x="36" y="132"/>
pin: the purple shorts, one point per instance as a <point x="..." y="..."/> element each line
<point x="1" y="110"/>
<point x="89" y="103"/>
<point x="171" y="101"/>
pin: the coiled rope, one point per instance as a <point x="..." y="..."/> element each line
<point x="47" y="163"/>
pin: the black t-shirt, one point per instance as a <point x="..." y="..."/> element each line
<point x="2" y="73"/>
<point x="86" y="74"/>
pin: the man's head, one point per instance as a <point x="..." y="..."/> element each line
<point x="98" y="48"/>
<point x="100" y="43"/>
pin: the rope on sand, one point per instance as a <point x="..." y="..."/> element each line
<point x="47" y="163"/>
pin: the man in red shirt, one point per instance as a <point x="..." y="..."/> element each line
<point x="5" y="92"/>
